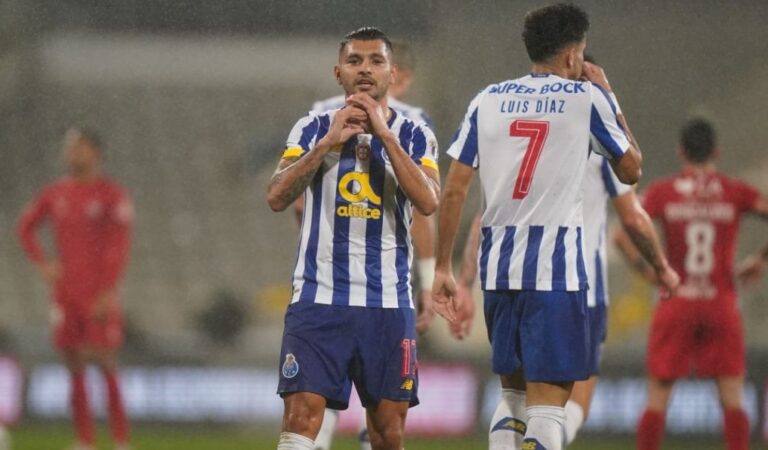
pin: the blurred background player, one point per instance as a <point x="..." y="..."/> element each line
<point x="91" y="217"/>
<point x="361" y="169"/>
<point x="532" y="272"/>
<point x="698" y="331"/>
<point x="422" y="227"/>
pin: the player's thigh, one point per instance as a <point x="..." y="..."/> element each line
<point x="385" y="364"/>
<point x="554" y="336"/>
<point x="659" y="392"/>
<point x="104" y="337"/>
<point x="731" y="391"/>
<point x="721" y="348"/>
<point x="503" y="315"/>
<point x="316" y="352"/>
<point x="671" y="340"/>
<point x="582" y="393"/>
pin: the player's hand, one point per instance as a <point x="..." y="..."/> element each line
<point x="377" y="116"/>
<point x="668" y="280"/>
<point x="595" y="74"/>
<point x="50" y="271"/>
<point x="443" y="295"/>
<point x="347" y="122"/>
<point x="465" y="312"/>
<point x="105" y="303"/>
<point x="750" y="271"/>
<point x="426" y="313"/>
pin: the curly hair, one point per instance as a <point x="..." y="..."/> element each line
<point x="549" y="29"/>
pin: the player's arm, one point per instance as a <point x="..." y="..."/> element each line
<point x="465" y="309"/>
<point x="420" y="183"/>
<point x="295" y="171"/>
<point x="643" y="240"/>
<point x="33" y="216"/>
<point x="423" y="232"/>
<point x="624" y="152"/>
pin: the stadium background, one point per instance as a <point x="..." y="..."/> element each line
<point x="194" y="100"/>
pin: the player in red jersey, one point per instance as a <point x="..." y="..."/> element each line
<point x="91" y="218"/>
<point x="698" y="331"/>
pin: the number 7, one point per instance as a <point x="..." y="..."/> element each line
<point x="536" y="131"/>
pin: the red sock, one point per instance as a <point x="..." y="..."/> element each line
<point x="81" y="412"/>
<point x="736" y="426"/>
<point x="650" y="430"/>
<point x="118" y="421"/>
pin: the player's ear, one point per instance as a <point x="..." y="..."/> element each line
<point x="337" y="73"/>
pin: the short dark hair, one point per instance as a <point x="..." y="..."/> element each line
<point x="90" y="135"/>
<point x="549" y="29"/>
<point x="366" y="34"/>
<point x="698" y="140"/>
<point x="402" y="56"/>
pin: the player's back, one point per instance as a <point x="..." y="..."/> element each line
<point x="700" y="213"/>
<point x="529" y="139"/>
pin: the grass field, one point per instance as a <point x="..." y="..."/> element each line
<point x="188" y="437"/>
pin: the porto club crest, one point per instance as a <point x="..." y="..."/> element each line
<point x="290" y="366"/>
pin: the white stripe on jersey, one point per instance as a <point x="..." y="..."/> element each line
<point x="355" y="247"/>
<point x="541" y="123"/>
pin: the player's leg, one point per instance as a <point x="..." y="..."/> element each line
<point x="302" y="417"/>
<point x="363" y="437"/>
<point x="510" y="417"/>
<point x="736" y="422"/>
<point x="546" y="415"/>
<point x="328" y="427"/>
<point x="75" y="360"/>
<point x="577" y="408"/>
<point x="386" y="424"/>
<point x="650" y="428"/>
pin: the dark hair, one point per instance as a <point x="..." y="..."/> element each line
<point x="698" y="139"/>
<point x="366" y="34"/>
<point x="91" y="136"/>
<point x="589" y="58"/>
<point x="549" y="29"/>
<point x="402" y="56"/>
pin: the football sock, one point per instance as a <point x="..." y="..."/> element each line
<point x="508" y="423"/>
<point x="650" y="430"/>
<point x="118" y="421"/>
<point x="81" y="412"/>
<point x="544" y="430"/>
<point x="325" y="435"/>
<point x="293" y="441"/>
<point x="574" y="419"/>
<point x="736" y="428"/>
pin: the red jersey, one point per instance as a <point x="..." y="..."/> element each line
<point x="91" y="227"/>
<point x="700" y="214"/>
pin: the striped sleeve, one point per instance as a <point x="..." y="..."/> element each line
<point x="423" y="149"/>
<point x="302" y="136"/>
<point x="613" y="186"/>
<point x="464" y="146"/>
<point x="605" y="127"/>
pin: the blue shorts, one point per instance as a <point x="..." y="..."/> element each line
<point x="598" y="330"/>
<point x="327" y="348"/>
<point x="544" y="333"/>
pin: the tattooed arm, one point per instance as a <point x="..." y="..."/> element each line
<point x="294" y="174"/>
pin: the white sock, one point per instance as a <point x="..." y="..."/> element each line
<point x="362" y="434"/>
<point x="325" y="435"/>
<point x="545" y="428"/>
<point x="508" y="423"/>
<point x="293" y="441"/>
<point x="574" y="419"/>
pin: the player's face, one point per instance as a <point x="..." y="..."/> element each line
<point x="364" y="66"/>
<point x="79" y="154"/>
<point x="576" y="60"/>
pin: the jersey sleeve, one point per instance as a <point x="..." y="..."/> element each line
<point x="464" y="147"/>
<point x="746" y="196"/>
<point x="423" y="149"/>
<point x="117" y="239"/>
<point x="33" y="215"/>
<point x="302" y="136"/>
<point x="613" y="186"/>
<point x="652" y="200"/>
<point x="605" y="127"/>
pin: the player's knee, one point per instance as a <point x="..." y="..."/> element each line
<point x="390" y="437"/>
<point x="301" y="418"/>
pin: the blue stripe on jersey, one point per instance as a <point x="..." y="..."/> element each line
<point x="485" y="250"/>
<point x="598" y="129"/>
<point x="340" y="249"/>
<point x="373" y="233"/>
<point x="580" y="270"/>
<point x="418" y="145"/>
<point x="608" y="98"/>
<point x="605" y="171"/>
<point x="558" y="260"/>
<point x="600" y="288"/>
<point x="505" y="256"/>
<point x="401" y="260"/>
<point x="531" y="261"/>
<point x="469" y="150"/>
<point x="309" y="132"/>
<point x="309" y="289"/>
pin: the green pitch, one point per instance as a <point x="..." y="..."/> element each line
<point x="206" y="437"/>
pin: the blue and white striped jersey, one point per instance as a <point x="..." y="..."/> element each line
<point x="355" y="241"/>
<point x="414" y="113"/>
<point x="600" y="185"/>
<point x="529" y="139"/>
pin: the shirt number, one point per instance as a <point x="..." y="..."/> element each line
<point x="699" y="258"/>
<point x="536" y="131"/>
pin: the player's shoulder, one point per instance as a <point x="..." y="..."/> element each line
<point x="331" y="103"/>
<point x="58" y="185"/>
<point x="665" y="185"/>
<point x="731" y="182"/>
